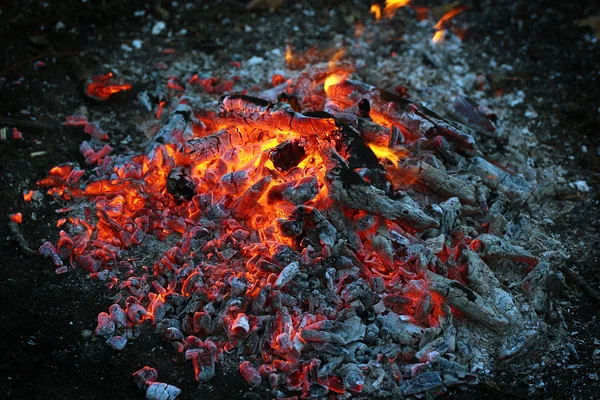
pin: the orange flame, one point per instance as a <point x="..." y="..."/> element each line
<point x="385" y="152"/>
<point x="392" y="5"/>
<point x="438" y="37"/>
<point x="376" y="11"/>
<point x="335" y="77"/>
<point x="449" y="15"/>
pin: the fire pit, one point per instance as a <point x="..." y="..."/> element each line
<point x="318" y="234"/>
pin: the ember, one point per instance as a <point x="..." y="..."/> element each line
<point x="101" y="87"/>
<point x="327" y="247"/>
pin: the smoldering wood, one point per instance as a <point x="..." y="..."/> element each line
<point x="295" y="192"/>
<point x="466" y="300"/>
<point x="249" y="113"/>
<point x="493" y="247"/>
<point x="287" y="155"/>
<point x="351" y="191"/>
<point x="437" y="181"/>
<point x="413" y="119"/>
<point x="213" y="146"/>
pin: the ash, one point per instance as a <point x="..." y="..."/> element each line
<point x="323" y="247"/>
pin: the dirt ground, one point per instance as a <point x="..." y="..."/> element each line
<point x="43" y="353"/>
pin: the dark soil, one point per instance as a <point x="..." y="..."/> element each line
<point x="43" y="352"/>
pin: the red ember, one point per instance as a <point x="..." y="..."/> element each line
<point x="102" y="87"/>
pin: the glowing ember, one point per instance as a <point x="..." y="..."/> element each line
<point x="376" y="11"/>
<point x="290" y="238"/>
<point x="16" y="217"/>
<point x="102" y="87"/>
<point x="336" y="76"/>
<point x="28" y="195"/>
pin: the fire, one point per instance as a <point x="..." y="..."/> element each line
<point x="265" y="211"/>
<point x="385" y="152"/>
<point x="335" y="76"/>
<point x="288" y="55"/>
<point x="449" y="15"/>
<point x="392" y="5"/>
<point x="438" y="37"/>
<point x="102" y="87"/>
<point x="376" y="11"/>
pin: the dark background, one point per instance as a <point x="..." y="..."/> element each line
<point x="42" y="351"/>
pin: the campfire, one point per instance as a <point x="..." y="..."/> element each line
<point x="330" y="237"/>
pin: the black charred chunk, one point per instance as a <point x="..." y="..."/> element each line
<point x="364" y="108"/>
<point x="291" y="100"/>
<point x="287" y="155"/>
<point x="180" y="185"/>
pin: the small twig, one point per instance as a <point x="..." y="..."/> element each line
<point x="581" y="283"/>
<point x="14" y="228"/>
<point x="22" y="123"/>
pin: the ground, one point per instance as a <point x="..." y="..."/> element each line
<point x="44" y="354"/>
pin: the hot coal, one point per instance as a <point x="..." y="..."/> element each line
<point x="345" y="242"/>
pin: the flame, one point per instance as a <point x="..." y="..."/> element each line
<point x="449" y="15"/>
<point x="336" y="76"/>
<point x="288" y="55"/>
<point x="392" y="5"/>
<point x="376" y="11"/>
<point x="438" y="37"/>
<point x="385" y="152"/>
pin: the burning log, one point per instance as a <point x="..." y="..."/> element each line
<point x="414" y="120"/>
<point x="250" y="113"/>
<point x="350" y="190"/>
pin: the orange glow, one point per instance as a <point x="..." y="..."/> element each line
<point x="336" y="76"/>
<point x="449" y="15"/>
<point x="102" y="86"/>
<point x="385" y="152"/>
<point x="391" y="6"/>
<point x="376" y="11"/>
<point x="28" y="195"/>
<point x="17" y="218"/>
<point x="288" y="54"/>
<point x="438" y="37"/>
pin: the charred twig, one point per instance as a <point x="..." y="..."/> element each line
<point x="594" y="295"/>
<point x="14" y="228"/>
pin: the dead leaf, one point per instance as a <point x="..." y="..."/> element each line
<point x="592" y="22"/>
<point x="272" y="5"/>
